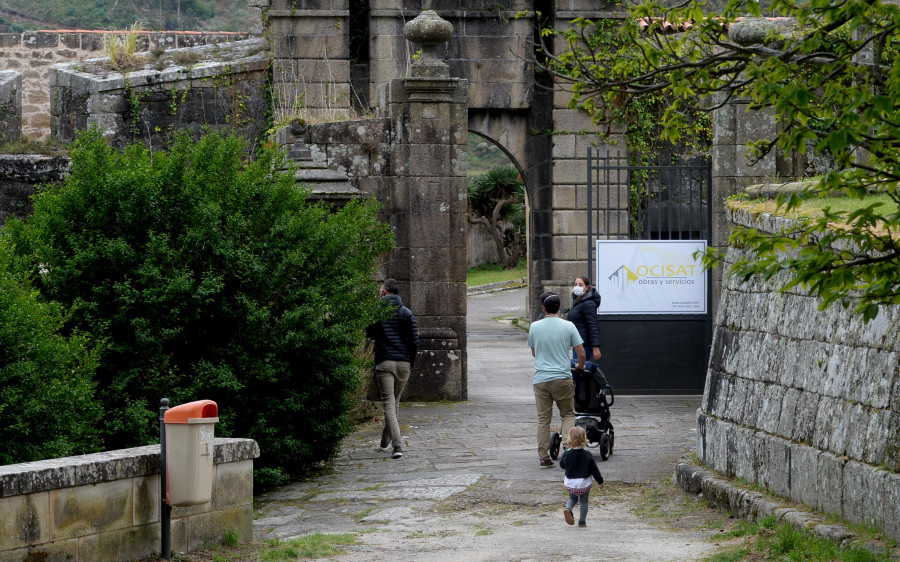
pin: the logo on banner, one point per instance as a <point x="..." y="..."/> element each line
<point x="670" y="274"/>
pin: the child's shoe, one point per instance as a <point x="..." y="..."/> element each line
<point x="567" y="513"/>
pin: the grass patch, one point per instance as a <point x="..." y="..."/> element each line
<point x="764" y="540"/>
<point x="316" y="545"/>
<point x="813" y="208"/>
<point x="494" y="273"/>
<point x="667" y="505"/>
<point x="49" y="147"/>
<point x="483" y="532"/>
<point x="363" y="514"/>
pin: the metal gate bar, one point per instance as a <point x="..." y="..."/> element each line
<point x="685" y="179"/>
<point x="668" y="201"/>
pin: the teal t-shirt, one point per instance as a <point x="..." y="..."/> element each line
<point x="553" y="339"/>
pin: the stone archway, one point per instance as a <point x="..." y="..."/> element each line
<point x="511" y="132"/>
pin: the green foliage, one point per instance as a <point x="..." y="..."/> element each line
<point x="823" y="96"/>
<point x="315" y="545"/>
<point x="483" y="155"/>
<point x="211" y="278"/>
<point x="47" y="408"/>
<point x="177" y="15"/>
<point x="494" y="273"/>
<point x="497" y="200"/>
<point x="769" y="540"/>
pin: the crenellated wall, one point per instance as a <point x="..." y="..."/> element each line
<point x="217" y="87"/>
<point x="33" y="53"/>
<point x="802" y="401"/>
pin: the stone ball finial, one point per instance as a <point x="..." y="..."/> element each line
<point x="428" y="31"/>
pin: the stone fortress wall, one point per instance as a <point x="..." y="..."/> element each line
<point x="33" y="53"/>
<point x="802" y="401"/>
<point x="313" y="66"/>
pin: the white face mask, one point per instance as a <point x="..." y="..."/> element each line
<point x="578" y="291"/>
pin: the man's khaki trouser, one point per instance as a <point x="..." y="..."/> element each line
<point x="392" y="378"/>
<point x="561" y="391"/>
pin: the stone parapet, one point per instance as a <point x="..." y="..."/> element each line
<point x="106" y="506"/>
<point x="20" y="176"/>
<point x="222" y="87"/>
<point x="33" y="53"/>
<point x="804" y="401"/>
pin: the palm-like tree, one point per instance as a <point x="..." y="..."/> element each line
<point x="497" y="200"/>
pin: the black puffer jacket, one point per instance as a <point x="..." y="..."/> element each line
<point x="397" y="338"/>
<point x="584" y="316"/>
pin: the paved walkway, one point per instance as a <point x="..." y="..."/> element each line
<point x="469" y="487"/>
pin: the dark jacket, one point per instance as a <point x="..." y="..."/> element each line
<point x="397" y="338"/>
<point x="584" y="316"/>
<point x="580" y="463"/>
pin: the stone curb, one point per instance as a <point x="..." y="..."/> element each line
<point x="496" y="287"/>
<point x="747" y="504"/>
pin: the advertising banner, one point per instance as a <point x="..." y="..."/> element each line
<point x="650" y="277"/>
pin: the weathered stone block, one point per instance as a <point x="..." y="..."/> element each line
<point x="574" y="121"/>
<point x="25" y="521"/>
<point x="38" y="40"/>
<point x="139" y="542"/>
<point x="891" y="505"/>
<point x="146" y="499"/>
<point x="742" y="453"/>
<point x="831" y="426"/>
<point x="769" y="413"/>
<point x="864" y="488"/>
<point x="804" y="474"/>
<point x="102" y="546"/>
<point x="773" y="458"/>
<point x="804" y="423"/>
<point x="429" y="160"/>
<point x="830" y="477"/>
<point x="717" y="433"/>
<point x="92" y="509"/>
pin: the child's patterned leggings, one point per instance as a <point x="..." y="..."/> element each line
<point x="582" y="505"/>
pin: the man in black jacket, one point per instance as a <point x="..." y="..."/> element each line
<point x="396" y="342"/>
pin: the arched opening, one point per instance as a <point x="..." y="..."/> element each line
<point x="497" y="210"/>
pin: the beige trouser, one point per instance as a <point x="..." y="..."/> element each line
<point x="561" y="391"/>
<point x="392" y="378"/>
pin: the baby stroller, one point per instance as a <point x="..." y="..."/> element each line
<point x="593" y="397"/>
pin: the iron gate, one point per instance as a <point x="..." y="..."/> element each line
<point x="665" y="200"/>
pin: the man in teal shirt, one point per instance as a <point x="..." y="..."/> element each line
<point x="550" y="340"/>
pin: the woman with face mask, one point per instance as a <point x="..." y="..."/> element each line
<point x="585" y="301"/>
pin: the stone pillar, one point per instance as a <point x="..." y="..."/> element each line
<point x="311" y="59"/>
<point x="734" y="126"/>
<point x="427" y="205"/>
<point x="10" y="106"/>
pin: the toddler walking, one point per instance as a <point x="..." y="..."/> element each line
<point x="580" y="467"/>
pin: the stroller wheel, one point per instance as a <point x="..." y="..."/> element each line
<point x="612" y="439"/>
<point x="555" y="442"/>
<point x="605" y="447"/>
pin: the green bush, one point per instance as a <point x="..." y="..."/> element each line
<point x="209" y="277"/>
<point x="46" y="390"/>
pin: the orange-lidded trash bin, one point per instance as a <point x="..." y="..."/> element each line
<point x="189" y="452"/>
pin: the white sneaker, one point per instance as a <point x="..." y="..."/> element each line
<point x="397" y="453"/>
<point x="387" y="447"/>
